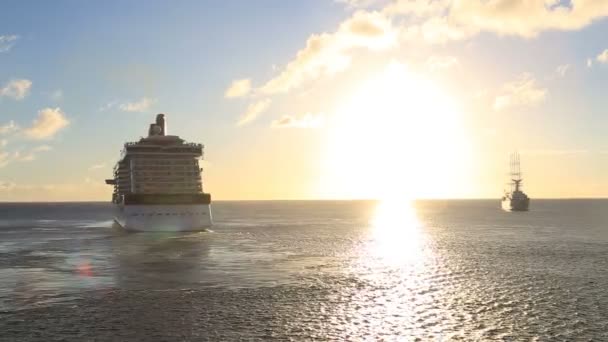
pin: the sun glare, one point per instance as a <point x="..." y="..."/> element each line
<point x="396" y="232"/>
<point x="397" y="136"/>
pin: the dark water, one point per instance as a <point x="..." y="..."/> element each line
<point x="451" y="270"/>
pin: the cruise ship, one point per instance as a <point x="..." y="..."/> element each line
<point x="515" y="199"/>
<point x="157" y="184"/>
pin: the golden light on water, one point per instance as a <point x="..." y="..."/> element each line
<point x="395" y="137"/>
<point x="396" y="233"/>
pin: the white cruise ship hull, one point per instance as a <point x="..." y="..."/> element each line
<point x="164" y="218"/>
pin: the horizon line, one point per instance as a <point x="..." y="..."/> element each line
<point x="328" y="200"/>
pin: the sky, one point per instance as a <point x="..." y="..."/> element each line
<point x="309" y="99"/>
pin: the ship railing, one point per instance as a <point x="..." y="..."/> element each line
<point x="195" y="145"/>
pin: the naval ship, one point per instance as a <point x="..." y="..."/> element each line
<point x="157" y="184"/>
<point x="515" y="199"/>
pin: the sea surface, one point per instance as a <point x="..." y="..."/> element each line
<point x="309" y="270"/>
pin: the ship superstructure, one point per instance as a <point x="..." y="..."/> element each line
<point x="157" y="183"/>
<point x="515" y="199"/>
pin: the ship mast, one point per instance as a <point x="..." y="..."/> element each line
<point x="515" y="171"/>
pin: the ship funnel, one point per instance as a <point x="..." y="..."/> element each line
<point x="160" y="121"/>
<point x="154" y="130"/>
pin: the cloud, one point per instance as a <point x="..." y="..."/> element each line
<point x="556" y="152"/>
<point x="253" y="111"/>
<point x="56" y="95"/>
<point x="238" y="88"/>
<point x="479" y="94"/>
<point x="4" y="159"/>
<point x="401" y="22"/>
<point x="7" y="42"/>
<point x="86" y="189"/>
<point x="17" y="156"/>
<point x="562" y="69"/>
<point x="307" y="120"/>
<point x="31" y="155"/>
<point x="603" y="57"/>
<point x="329" y="53"/>
<point x="108" y="106"/>
<point x="356" y="3"/>
<point x="42" y="148"/>
<point x="434" y="21"/>
<point x="589" y="62"/>
<point x="10" y="127"/>
<point x="49" y="122"/>
<point x="523" y="91"/>
<point x="441" y="20"/>
<point x="97" y="166"/>
<point x="16" y="89"/>
<point x="436" y="63"/>
<point x="142" y="105"/>
<point x="525" y="18"/>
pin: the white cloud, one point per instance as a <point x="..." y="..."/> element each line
<point x="8" y="128"/>
<point x="7" y="42"/>
<point x="563" y="69"/>
<point x="555" y="152"/>
<point x="436" y="63"/>
<point x="329" y="53"/>
<point x="253" y="111"/>
<point x="4" y="159"/>
<point x="479" y="94"/>
<point x="435" y="21"/>
<point x="5" y="186"/>
<point x="31" y="155"/>
<point x="523" y="91"/>
<point x="356" y="3"/>
<point x="86" y="189"/>
<point x="307" y="120"/>
<point x="417" y="8"/>
<point x="48" y="123"/>
<point x="97" y="166"/>
<point x="56" y="95"/>
<point x="17" y="156"/>
<point x="141" y="105"/>
<point x="16" y="89"/>
<point x="603" y="57"/>
<point x="441" y="20"/>
<point x="526" y="18"/>
<point x="432" y="21"/>
<point x="238" y="88"/>
<point x="42" y="148"/>
<point x="108" y="106"/>
<point x="589" y="62"/>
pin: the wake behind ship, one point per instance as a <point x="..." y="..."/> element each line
<point x="515" y="199"/>
<point x="157" y="184"/>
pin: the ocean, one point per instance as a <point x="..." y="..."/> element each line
<point x="309" y="270"/>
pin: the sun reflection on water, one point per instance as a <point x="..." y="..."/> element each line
<point x="396" y="232"/>
<point x="396" y="290"/>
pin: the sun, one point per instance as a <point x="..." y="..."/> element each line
<point x="398" y="135"/>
